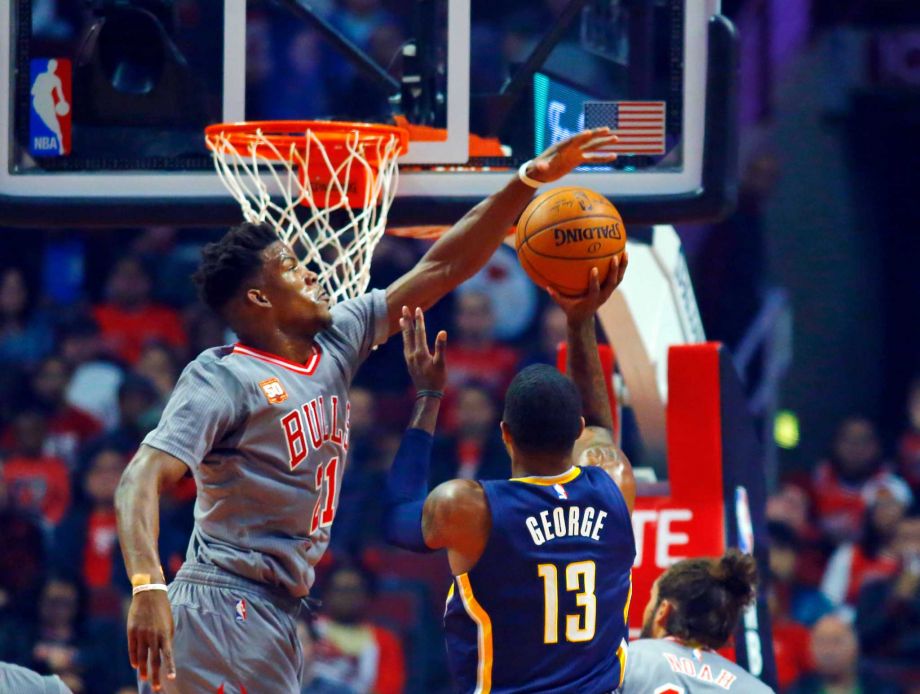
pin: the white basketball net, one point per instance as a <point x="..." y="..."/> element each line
<point x="271" y="186"/>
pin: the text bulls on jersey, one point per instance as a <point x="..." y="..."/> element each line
<point x="313" y="425"/>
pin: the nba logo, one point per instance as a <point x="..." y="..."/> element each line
<point x="560" y="491"/>
<point x="49" y="115"/>
<point x="240" y="611"/>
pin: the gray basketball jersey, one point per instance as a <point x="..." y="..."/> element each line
<point x="668" y="667"/>
<point x="267" y="441"/>
<point x="18" y="680"/>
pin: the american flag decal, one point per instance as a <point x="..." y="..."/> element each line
<point x="638" y="124"/>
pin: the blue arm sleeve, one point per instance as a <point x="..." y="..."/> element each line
<point x="406" y="489"/>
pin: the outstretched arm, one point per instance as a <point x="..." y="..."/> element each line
<point x="454" y="516"/>
<point x="137" y="504"/>
<point x="466" y="247"/>
<point x="596" y="445"/>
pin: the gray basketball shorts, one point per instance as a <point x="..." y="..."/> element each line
<point x="233" y="636"/>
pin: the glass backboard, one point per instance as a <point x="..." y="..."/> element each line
<point x="108" y="98"/>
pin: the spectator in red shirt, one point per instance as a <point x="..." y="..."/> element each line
<point x="34" y="481"/>
<point x="23" y="560"/>
<point x="888" y="611"/>
<point x="86" y="541"/>
<point x="909" y="445"/>
<point x="349" y="653"/>
<point x="874" y="556"/>
<point x="475" y="356"/>
<point x="791" y="648"/>
<point x="791" y="505"/>
<point x="839" y="483"/>
<point x="129" y="319"/>
<point x="69" y="427"/>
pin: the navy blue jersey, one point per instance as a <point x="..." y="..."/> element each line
<point x="545" y="607"/>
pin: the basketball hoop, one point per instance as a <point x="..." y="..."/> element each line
<point x="325" y="186"/>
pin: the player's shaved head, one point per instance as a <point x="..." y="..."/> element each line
<point x="542" y="411"/>
<point x="230" y="262"/>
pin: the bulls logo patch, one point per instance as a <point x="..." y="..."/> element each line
<point x="273" y="390"/>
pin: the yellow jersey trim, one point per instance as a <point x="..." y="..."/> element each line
<point x="628" y="600"/>
<point x="621" y="656"/>
<point x="550" y="481"/>
<point x="484" y="634"/>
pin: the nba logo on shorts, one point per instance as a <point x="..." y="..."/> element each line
<point x="240" y="611"/>
<point x="50" y="112"/>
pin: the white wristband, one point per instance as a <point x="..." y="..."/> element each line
<point x="148" y="586"/>
<point x="525" y="179"/>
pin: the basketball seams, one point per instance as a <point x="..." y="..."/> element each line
<point x="549" y="197"/>
<point x="535" y="274"/>
<point x="558" y="222"/>
<point x="532" y="269"/>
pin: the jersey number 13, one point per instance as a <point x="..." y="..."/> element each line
<point x="579" y="576"/>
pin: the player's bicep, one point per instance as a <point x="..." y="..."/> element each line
<point x="455" y="516"/>
<point x="153" y="466"/>
<point x="421" y="287"/>
<point x="596" y="448"/>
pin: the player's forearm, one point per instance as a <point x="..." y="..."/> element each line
<point x="137" y="506"/>
<point x="467" y="245"/>
<point x="425" y="414"/>
<point x="407" y="487"/>
<point x="584" y="367"/>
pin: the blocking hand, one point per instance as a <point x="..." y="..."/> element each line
<point x="587" y="147"/>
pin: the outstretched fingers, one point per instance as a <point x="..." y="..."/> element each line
<point x="421" y="336"/>
<point x="407" y="325"/>
<point x="440" y="342"/>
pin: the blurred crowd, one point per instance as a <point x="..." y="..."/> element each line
<point x="92" y="355"/>
<point x="89" y="368"/>
<point x="845" y="563"/>
<point x="94" y="334"/>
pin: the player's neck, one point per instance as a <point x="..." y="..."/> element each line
<point x="297" y="349"/>
<point x="540" y="466"/>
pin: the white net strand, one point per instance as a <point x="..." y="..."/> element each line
<point x="272" y="186"/>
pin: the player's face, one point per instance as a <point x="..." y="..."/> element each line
<point x="299" y="303"/>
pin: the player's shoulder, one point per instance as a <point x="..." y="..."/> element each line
<point x="648" y="647"/>
<point x="215" y="368"/>
<point x="458" y="493"/>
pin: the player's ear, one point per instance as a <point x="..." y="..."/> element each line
<point x="661" y="618"/>
<point x="257" y="297"/>
<point x="581" y="429"/>
<point x="506" y="435"/>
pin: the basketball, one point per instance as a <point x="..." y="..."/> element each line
<point x="62" y="108"/>
<point x="564" y="233"/>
